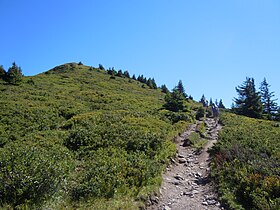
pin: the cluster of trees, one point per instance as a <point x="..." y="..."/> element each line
<point x="111" y="71"/>
<point x="219" y="104"/>
<point x="13" y="75"/>
<point x="256" y="104"/>
<point x="174" y="100"/>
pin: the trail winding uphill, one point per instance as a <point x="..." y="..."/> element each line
<point x="185" y="183"/>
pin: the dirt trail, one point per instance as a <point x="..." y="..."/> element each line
<point x="185" y="183"/>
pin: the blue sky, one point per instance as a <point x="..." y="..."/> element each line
<point x="212" y="46"/>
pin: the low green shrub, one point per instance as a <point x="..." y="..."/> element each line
<point x="30" y="172"/>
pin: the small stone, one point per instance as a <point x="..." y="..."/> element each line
<point x="211" y="201"/>
<point x="181" y="156"/>
<point x="195" y="192"/>
<point x="182" y="160"/>
<point x="178" y="177"/>
<point x="167" y="207"/>
<point x="176" y="183"/>
<point x="198" y="174"/>
<point x="188" y="193"/>
<point x="204" y="203"/>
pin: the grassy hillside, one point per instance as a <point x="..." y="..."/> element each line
<point x="247" y="163"/>
<point x="75" y="137"/>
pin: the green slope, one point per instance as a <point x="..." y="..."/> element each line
<point x="75" y="137"/>
<point x="246" y="163"/>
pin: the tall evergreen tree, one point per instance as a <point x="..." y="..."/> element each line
<point x="181" y="89"/>
<point x="14" y="74"/>
<point x="126" y="74"/>
<point x="211" y="102"/>
<point x="221" y="105"/>
<point x="174" y="101"/>
<point x="2" y="72"/>
<point x="164" y="89"/>
<point x="249" y="101"/>
<point x="269" y="104"/>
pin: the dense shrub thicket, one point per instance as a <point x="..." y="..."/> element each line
<point x="247" y="163"/>
<point x="73" y="136"/>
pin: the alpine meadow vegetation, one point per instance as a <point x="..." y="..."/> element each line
<point x="83" y="137"/>
<point x="246" y="161"/>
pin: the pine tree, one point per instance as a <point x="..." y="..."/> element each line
<point x="211" y="102"/>
<point x="221" y="105"/>
<point x="249" y="101"/>
<point x="203" y="101"/>
<point x="119" y="74"/>
<point x="164" y="89"/>
<point x="14" y="74"/>
<point x="101" y="67"/>
<point x="181" y="89"/>
<point x="126" y="74"/>
<point x="133" y="77"/>
<point x="174" y="101"/>
<point x="2" y="73"/>
<point x="269" y="104"/>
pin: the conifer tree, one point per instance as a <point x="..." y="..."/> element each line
<point x="203" y="99"/>
<point x="126" y="74"/>
<point x="174" y="101"/>
<point x="221" y="105"/>
<point x="181" y="89"/>
<point x="269" y="104"/>
<point x="2" y="72"/>
<point x="249" y="101"/>
<point x="14" y="74"/>
<point x="119" y="74"/>
<point x="211" y="102"/>
<point x="164" y="89"/>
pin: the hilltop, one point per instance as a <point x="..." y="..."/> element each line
<point x="76" y="136"/>
<point x="79" y="137"/>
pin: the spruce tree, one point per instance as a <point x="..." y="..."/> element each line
<point x="2" y="73"/>
<point x="249" y="101"/>
<point x="204" y="101"/>
<point x="269" y="104"/>
<point x="221" y="105"/>
<point x="164" y="89"/>
<point x="181" y="89"/>
<point x="126" y="74"/>
<point x="14" y="74"/>
<point x="174" y="101"/>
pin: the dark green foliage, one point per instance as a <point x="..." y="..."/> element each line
<point x="126" y="74"/>
<point x="164" y="89"/>
<point x="203" y="101"/>
<point x="133" y="77"/>
<point x="249" y="101"/>
<point x="112" y="72"/>
<point x="2" y="73"/>
<point x="269" y="104"/>
<point x="83" y="136"/>
<point x="101" y="67"/>
<point x="14" y="75"/>
<point x="30" y="172"/>
<point x="246" y="163"/>
<point x="80" y="63"/>
<point x="181" y="89"/>
<point x="151" y="83"/>
<point x="174" y="101"/>
<point x="211" y="102"/>
<point x="200" y="113"/>
<point x="119" y="74"/>
<point x="221" y="105"/>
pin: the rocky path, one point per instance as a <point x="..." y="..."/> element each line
<point x="185" y="183"/>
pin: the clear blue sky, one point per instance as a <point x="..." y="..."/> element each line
<point x="211" y="45"/>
